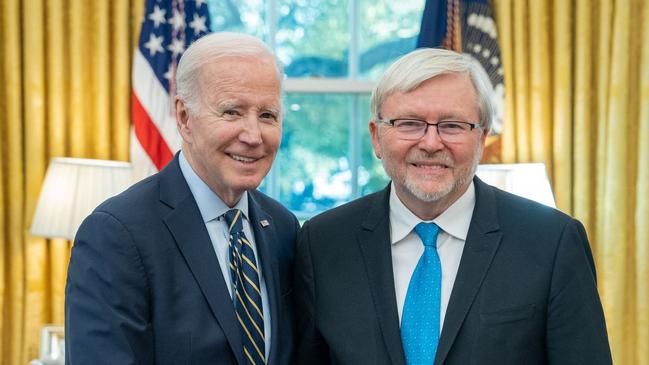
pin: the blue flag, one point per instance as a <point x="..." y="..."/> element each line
<point x="467" y="26"/>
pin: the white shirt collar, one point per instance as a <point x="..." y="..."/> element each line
<point x="209" y="204"/>
<point x="454" y="221"/>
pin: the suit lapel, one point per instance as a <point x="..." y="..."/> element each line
<point x="481" y="244"/>
<point x="265" y="234"/>
<point x="374" y="242"/>
<point x="186" y="225"/>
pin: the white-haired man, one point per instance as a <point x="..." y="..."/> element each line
<point x="192" y="265"/>
<point x="440" y="268"/>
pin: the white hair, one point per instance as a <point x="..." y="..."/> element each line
<point x="411" y="70"/>
<point x="209" y="48"/>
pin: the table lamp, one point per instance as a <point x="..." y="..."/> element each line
<point x="528" y="180"/>
<point x="73" y="187"/>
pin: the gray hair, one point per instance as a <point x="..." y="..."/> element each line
<point x="411" y="70"/>
<point x="209" y="48"/>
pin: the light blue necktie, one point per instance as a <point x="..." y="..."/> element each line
<point x="420" y="319"/>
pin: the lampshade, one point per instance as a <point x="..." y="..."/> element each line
<point x="73" y="187"/>
<point x="528" y="180"/>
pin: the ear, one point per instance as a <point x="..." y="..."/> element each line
<point x="374" y="132"/>
<point x="182" y="119"/>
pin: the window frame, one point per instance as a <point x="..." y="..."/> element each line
<point x="349" y="85"/>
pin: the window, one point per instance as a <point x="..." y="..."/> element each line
<point x="332" y="52"/>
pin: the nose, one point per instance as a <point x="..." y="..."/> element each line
<point x="431" y="141"/>
<point x="250" y="131"/>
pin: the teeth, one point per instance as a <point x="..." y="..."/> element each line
<point x="243" y="159"/>
<point x="431" y="166"/>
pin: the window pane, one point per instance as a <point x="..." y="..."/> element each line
<point x="371" y="176"/>
<point x="247" y="16"/>
<point x="313" y="37"/>
<point x="314" y="170"/>
<point x="388" y="29"/>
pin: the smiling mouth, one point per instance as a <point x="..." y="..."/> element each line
<point x="430" y="167"/>
<point x="242" y="158"/>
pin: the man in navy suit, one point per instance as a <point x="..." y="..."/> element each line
<point x="439" y="267"/>
<point x="152" y="277"/>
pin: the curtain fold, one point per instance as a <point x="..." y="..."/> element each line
<point x="11" y="132"/>
<point x="578" y="72"/>
<point x="585" y="130"/>
<point x="64" y="91"/>
<point x="560" y="130"/>
<point x="642" y="191"/>
<point x="613" y="238"/>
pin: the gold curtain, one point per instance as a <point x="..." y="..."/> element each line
<point x="64" y="91"/>
<point x="577" y="81"/>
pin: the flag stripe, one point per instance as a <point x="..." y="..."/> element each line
<point x="155" y="100"/>
<point x="168" y="28"/>
<point x="149" y="136"/>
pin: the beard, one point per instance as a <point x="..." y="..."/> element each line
<point x="461" y="180"/>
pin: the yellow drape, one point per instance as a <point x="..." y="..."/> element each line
<point x="64" y="91"/>
<point x="577" y="80"/>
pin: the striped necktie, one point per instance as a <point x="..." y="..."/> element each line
<point x="246" y="290"/>
<point x="421" y="310"/>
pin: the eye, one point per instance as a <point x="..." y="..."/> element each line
<point x="451" y="125"/>
<point x="231" y="112"/>
<point x="268" y="117"/>
<point x="408" y="123"/>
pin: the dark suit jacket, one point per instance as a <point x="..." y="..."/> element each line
<point x="144" y="284"/>
<point x="525" y="291"/>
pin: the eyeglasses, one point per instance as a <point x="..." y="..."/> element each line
<point x="451" y="131"/>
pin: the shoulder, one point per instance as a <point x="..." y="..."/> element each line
<point x="525" y="223"/>
<point x="152" y="196"/>
<point x="140" y="210"/>
<point x="135" y="200"/>
<point x="516" y="209"/>
<point x="115" y="228"/>
<point x="522" y="211"/>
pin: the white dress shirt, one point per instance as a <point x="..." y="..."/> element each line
<point x="407" y="247"/>
<point x="212" y="209"/>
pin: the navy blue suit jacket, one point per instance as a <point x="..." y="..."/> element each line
<point x="145" y="287"/>
<point x="525" y="291"/>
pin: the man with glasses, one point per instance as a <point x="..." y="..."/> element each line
<point x="440" y="267"/>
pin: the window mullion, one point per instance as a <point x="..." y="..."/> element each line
<point x="273" y="188"/>
<point x="271" y="21"/>
<point x="354" y="137"/>
<point x="353" y="40"/>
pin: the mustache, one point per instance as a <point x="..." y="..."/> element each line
<point x="437" y="158"/>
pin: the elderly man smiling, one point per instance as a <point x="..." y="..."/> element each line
<point x="440" y="268"/>
<point x="192" y="265"/>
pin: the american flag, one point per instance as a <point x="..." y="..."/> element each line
<point x="168" y="27"/>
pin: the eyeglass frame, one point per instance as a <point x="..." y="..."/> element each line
<point x="391" y="122"/>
